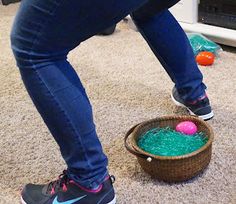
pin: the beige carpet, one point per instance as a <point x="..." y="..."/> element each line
<point x="126" y="85"/>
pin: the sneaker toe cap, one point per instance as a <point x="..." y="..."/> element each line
<point x="203" y="111"/>
<point x="32" y="194"/>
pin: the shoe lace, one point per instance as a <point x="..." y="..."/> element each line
<point x="59" y="184"/>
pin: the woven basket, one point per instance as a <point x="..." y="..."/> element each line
<point x="174" y="168"/>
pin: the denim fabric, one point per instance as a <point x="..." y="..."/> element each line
<point x="43" y="34"/>
<point x="171" y="46"/>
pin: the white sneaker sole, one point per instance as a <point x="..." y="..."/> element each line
<point x="22" y="201"/>
<point x="112" y="202"/>
<point x="204" y="117"/>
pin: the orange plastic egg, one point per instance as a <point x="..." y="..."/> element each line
<point x="205" y="58"/>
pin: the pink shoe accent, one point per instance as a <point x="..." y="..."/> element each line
<point x="199" y="99"/>
<point x="64" y="188"/>
<point x="106" y="178"/>
<point x="86" y="189"/>
<point x="52" y="191"/>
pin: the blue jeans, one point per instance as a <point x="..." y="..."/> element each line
<point x="43" y="34"/>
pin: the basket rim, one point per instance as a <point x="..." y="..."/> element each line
<point x="166" y="118"/>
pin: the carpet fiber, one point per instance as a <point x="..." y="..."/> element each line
<point x="126" y="85"/>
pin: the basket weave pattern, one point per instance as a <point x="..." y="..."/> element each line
<point x="175" y="168"/>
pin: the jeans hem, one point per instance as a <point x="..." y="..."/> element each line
<point x="90" y="183"/>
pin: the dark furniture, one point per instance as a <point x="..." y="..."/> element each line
<point x="6" y="2"/>
<point x="218" y="12"/>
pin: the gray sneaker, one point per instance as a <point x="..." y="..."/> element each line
<point x="67" y="191"/>
<point x="201" y="107"/>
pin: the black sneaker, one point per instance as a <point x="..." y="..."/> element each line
<point x="200" y="107"/>
<point x="66" y="191"/>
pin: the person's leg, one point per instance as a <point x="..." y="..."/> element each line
<point x="43" y="33"/>
<point x="171" y="46"/>
<point x="55" y="88"/>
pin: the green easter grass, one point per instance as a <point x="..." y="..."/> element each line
<point x="168" y="142"/>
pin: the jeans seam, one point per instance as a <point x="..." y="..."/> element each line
<point x="66" y="116"/>
<point x="33" y="66"/>
<point x="154" y="51"/>
<point x="39" y="32"/>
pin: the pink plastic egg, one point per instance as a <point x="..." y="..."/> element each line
<point x="186" y="127"/>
